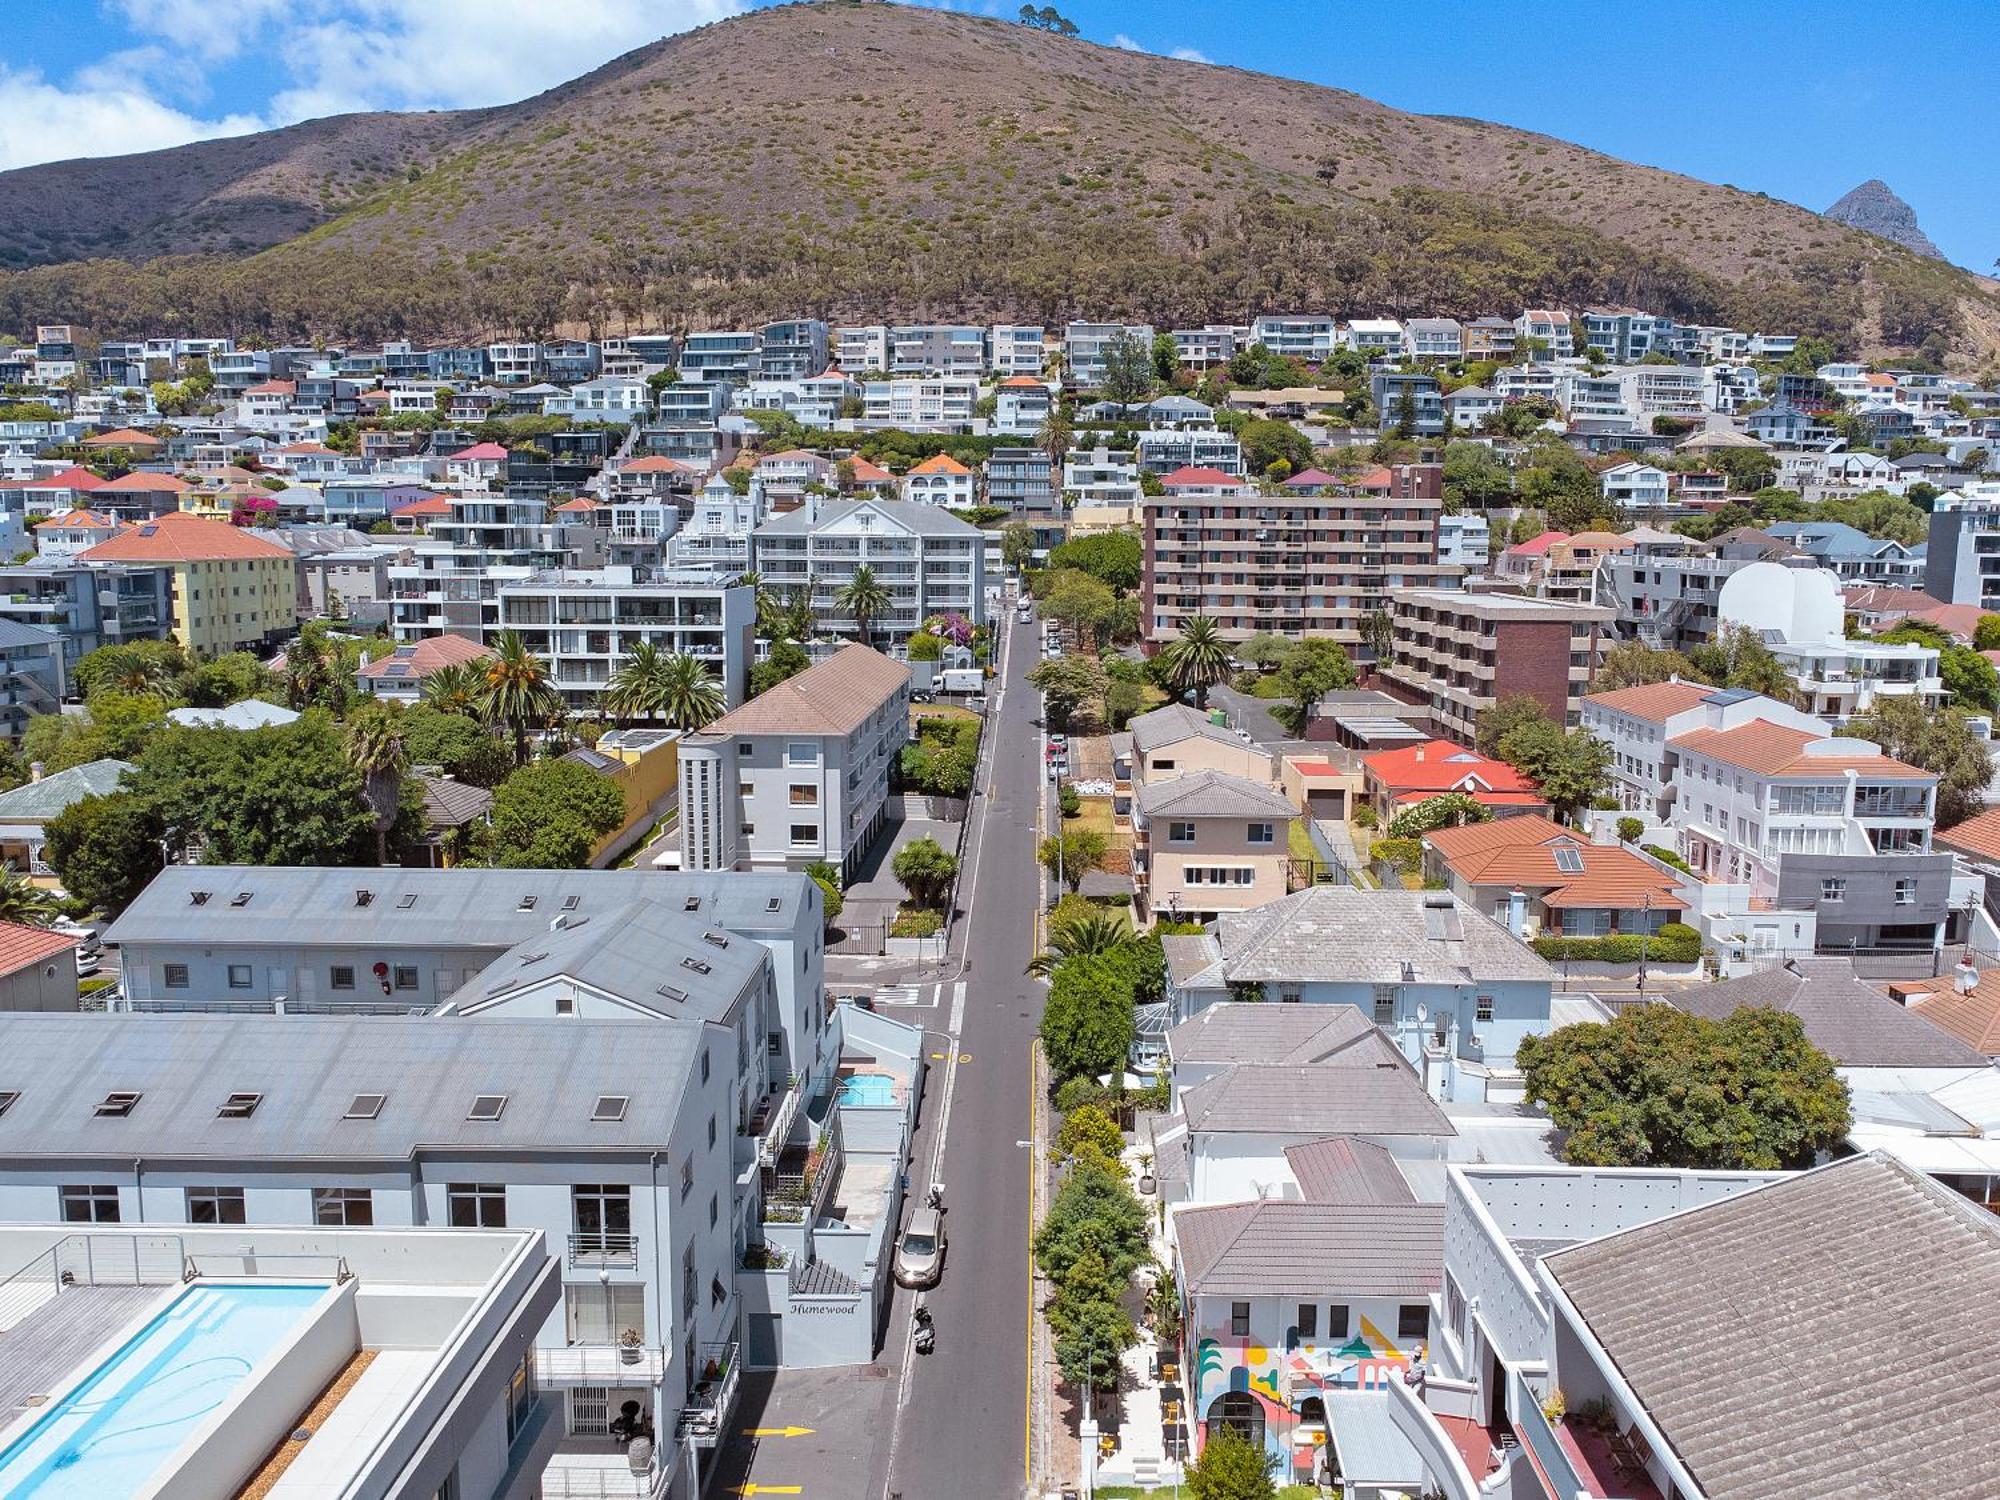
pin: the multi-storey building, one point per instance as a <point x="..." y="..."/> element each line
<point x="940" y="480"/>
<point x="941" y="403"/>
<point x="800" y="774"/>
<point x="1298" y="564"/>
<point x="811" y="401"/>
<point x="484" y="541"/>
<point x="1962" y="560"/>
<point x="1101" y="477"/>
<point x="1624" y="335"/>
<point x="1022" y="480"/>
<point x="1399" y="395"/>
<point x="1436" y="339"/>
<point x="860" y="348"/>
<point x="927" y="559"/>
<point x="937" y="349"/>
<point x="230" y="588"/>
<point x="1549" y="328"/>
<point x="1162" y="450"/>
<point x="1459" y="653"/>
<point x="1084" y="345"/>
<point x="722" y="356"/>
<point x="1464" y="541"/>
<point x="1663" y="589"/>
<point x="794" y="350"/>
<point x="1799" y="614"/>
<point x="33" y="678"/>
<point x="1490" y="339"/>
<point x="583" y="624"/>
<point x="1310" y="337"/>
<point x="1021" y="404"/>
<point x="1206" y="348"/>
<point x="1663" y="390"/>
<point x="88" y="607"/>
<point x="1014" y="349"/>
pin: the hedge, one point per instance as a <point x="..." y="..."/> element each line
<point x="1675" y="943"/>
<point x="1666" y="857"/>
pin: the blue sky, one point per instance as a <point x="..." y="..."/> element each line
<point x="1799" y="100"/>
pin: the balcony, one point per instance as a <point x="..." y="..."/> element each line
<point x="598" y="1365"/>
<point x="604" y="1248"/>
<point x="1575" y="1460"/>
<point x="705" y="1418"/>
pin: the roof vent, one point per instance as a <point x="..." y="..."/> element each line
<point x="405" y="901"/>
<point x="364" y="898"/>
<point x="699" y="965"/>
<point x="610" y="1109"/>
<point x="197" y="898"/>
<point x="241" y="898"/>
<point x="569" y="902"/>
<point x="526" y="903"/>
<point x="715" y="939"/>
<point x="365" y="1106"/>
<point x="679" y="996"/>
<point x="486" y="1107"/>
<point x="239" y="1106"/>
<point x="116" y="1105"/>
<point x="693" y="903"/>
<point x="7" y="1098"/>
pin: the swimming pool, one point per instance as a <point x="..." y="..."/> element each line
<point x="868" y="1089"/>
<point x="113" y="1429"/>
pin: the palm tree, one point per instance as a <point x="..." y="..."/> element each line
<point x="23" y="902"/>
<point x="864" y="598"/>
<point x="308" y="668"/>
<point x="138" y="672"/>
<point x="1082" y="937"/>
<point x="1198" y="660"/>
<point x="455" y="688"/>
<point x="633" y="692"/>
<point x="516" y="692"/>
<point x="689" y="697"/>
<point x="375" y="748"/>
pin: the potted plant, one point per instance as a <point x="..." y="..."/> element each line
<point x="1146" y="1180"/>
<point x="628" y="1346"/>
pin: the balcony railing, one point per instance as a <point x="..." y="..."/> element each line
<point x="599" y="1364"/>
<point x="604" y="1248"/>
<point x="705" y="1418"/>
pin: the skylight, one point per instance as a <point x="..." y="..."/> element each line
<point x="116" y="1105"/>
<point x="363" y="898"/>
<point x="699" y="965"/>
<point x="570" y="902"/>
<point x="610" y="1108"/>
<point x="527" y="904"/>
<point x="7" y="1098"/>
<point x="366" y="1106"/>
<point x="240" y="1106"/>
<point x="241" y="898"/>
<point x="197" y="898"/>
<point x="693" y="903"/>
<point x="1569" y="859"/>
<point x="486" y="1107"/>
<point x="715" y="939"/>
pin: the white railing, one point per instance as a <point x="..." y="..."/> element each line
<point x="603" y="1248"/>
<point x="599" y="1364"/>
<point x="578" y="1476"/>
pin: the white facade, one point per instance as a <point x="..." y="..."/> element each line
<point x="926" y="404"/>
<point x="1465" y="541"/>
<point x="1163" y="450"/>
<point x="1101" y="477"/>
<point x="1014" y="349"/>
<point x="1084" y="345"/>
<point x="1309" y="337"/>
<point x="1634" y="486"/>
<point x="1799" y="614"/>
<point x="928" y="560"/>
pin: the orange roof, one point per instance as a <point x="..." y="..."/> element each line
<point x="942" y="463"/>
<point x="1655" y="702"/>
<point x="1522" y="851"/>
<point x="1022" y="383"/>
<point x="1777" y="750"/>
<point x="1978" y="836"/>
<point x="122" y="437"/>
<point x="22" y="946"/>
<point x="655" y="463"/>
<point x="315" y="448"/>
<point x="867" y="473"/>
<point x="1960" y="620"/>
<point x="1600" y="539"/>
<point x="571" y="507"/>
<point x="433" y="505"/>
<point x="72" y="478"/>
<point x="74" y="520"/>
<point x="180" y="536"/>
<point x="139" y="483"/>
<point x="425" y="657"/>
<point x="1974" y="1019"/>
<point x="480" y="452"/>
<point x="1440" y="766"/>
<point x="273" y="388"/>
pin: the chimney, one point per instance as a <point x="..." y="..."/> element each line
<point x="34" y="770"/>
<point x="1517" y="912"/>
<point x="1420" y="751"/>
<point x="1965" y="978"/>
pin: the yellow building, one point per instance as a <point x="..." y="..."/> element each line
<point x="232" y="589"/>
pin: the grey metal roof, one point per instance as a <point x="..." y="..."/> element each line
<point x="1257" y="1033"/>
<point x="1851" y="1022"/>
<point x="251" y="713"/>
<point x="1342" y="1169"/>
<point x="1319" y="1099"/>
<point x="1829" y="1334"/>
<point x="1212" y="794"/>
<point x="452" y="804"/>
<point x="1372" y="1448"/>
<point x="309" y="1070"/>
<point x="467" y="908"/>
<point x="923" y="520"/>
<point x="41" y="800"/>
<point x="1278" y="1247"/>
<point x="1174" y="723"/>
<point x="1339" y="932"/>
<point x="663" y="960"/>
<point x="13" y="633"/>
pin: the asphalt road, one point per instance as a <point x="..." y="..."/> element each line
<point x="960" y="1422"/>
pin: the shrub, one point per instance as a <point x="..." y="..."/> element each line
<point x="1682" y="947"/>
<point x="1666" y="857"/>
<point x="1076" y="1093"/>
<point x="1070" y="800"/>
<point x="1089" y="1125"/>
<point x="1448" y="810"/>
<point x="1364" y="816"/>
<point x="1629" y="830"/>
<point x="1401" y="855"/>
<point x="921" y="922"/>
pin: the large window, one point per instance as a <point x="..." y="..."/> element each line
<point x="602" y="1214"/>
<point x="1262" y="833"/>
<point x="351" y="1207"/>
<point x="1413" y="1320"/>
<point x="91" y="1203"/>
<point x="1385" y="1004"/>
<point x="476" y="1205"/>
<point x="804" y="795"/>
<point x="805" y="833"/>
<point x="215" y="1205"/>
<point x="1180" y="833"/>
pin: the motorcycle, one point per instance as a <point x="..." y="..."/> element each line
<point x="926" y="1337"/>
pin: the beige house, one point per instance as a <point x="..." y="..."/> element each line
<point x="1175" y="740"/>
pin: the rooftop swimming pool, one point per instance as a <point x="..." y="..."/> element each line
<point x="117" y="1426"/>
<point x="868" y="1089"/>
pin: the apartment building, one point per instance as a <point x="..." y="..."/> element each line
<point x="1374" y="335"/>
<point x="956" y="350"/>
<point x="810" y="400"/>
<point x="940" y="403"/>
<point x="1310" y="337"/>
<point x="860" y="348"/>
<point x="1962" y="557"/>
<point x="929" y="560"/>
<point x="1490" y="338"/>
<point x="1084" y="345"/>
<point x="941" y="480"/>
<point x="110" y="604"/>
<point x="1663" y="589"/>
<point x="800" y="774"/>
<point x="1022" y="480"/>
<point x="1548" y="328"/>
<point x="1014" y="349"/>
<point x="1799" y="614"/>
<point x="1208" y="347"/>
<point x="1624" y="335"/>
<point x="230" y="589"/>
<point x="1663" y="390"/>
<point x="485" y="540"/>
<point x="1102" y="477"/>
<point x="1299" y="564"/>
<point x="1021" y="404"/>
<point x="1634" y="486"/>
<point x="1403" y="394"/>
<point x="793" y="350"/>
<point x="1458" y="653"/>
<point x="1163" y="450"/>
<point x="723" y="356"/>
<point x="584" y="623"/>
<point x="1441" y="340"/>
<point x="1465" y="541"/>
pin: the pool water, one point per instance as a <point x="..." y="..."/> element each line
<point x="868" y="1089"/>
<point x="116" y="1427"/>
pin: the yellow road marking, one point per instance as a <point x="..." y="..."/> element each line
<point x="766" y="1489"/>
<point x="763" y="1432"/>
<point x="965" y="1057"/>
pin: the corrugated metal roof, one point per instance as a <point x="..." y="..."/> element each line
<point x="1851" y="1022"/>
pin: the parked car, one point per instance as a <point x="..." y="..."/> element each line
<point x="920" y="1252"/>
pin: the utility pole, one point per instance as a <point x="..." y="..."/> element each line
<point x="1645" y="931"/>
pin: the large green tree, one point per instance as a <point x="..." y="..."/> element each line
<point x="1115" y="558"/>
<point x="105" y="850"/>
<point x="1196" y="659"/>
<point x="1659" y="1087"/>
<point x="1313" y="668"/>
<point x="1230" y="1467"/>
<point x="1066" y="684"/>
<point x="1939" y="741"/>
<point x="925" y="869"/>
<point x="1737" y="657"/>
<point x="1128" y="369"/>
<point x="1570" y="767"/>
<point x="515" y="691"/>
<point x="378" y="751"/>
<point x="1088" y="1022"/>
<point x="1073" y="855"/>
<point x="458" y="746"/>
<point x="785" y="659"/>
<point x="1634" y="664"/>
<point x="549" y="815"/>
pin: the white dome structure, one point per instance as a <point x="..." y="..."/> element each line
<point x="1802" y="605"/>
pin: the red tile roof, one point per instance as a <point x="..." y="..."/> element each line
<point x="1777" y="750"/>
<point x="79" y="520"/>
<point x="572" y="507"/>
<point x="867" y="473"/>
<point x="942" y="463"/>
<point x="181" y="537"/>
<point x="1440" y="766"/>
<point x="1522" y="851"/>
<point x="425" y="657"/>
<point x="1978" y="836"/>
<point x="1190" y="476"/>
<point x="1974" y="1019"/>
<point x="273" y="388"/>
<point x="72" y="478"/>
<point x="655" y="463"/>
<point x="140" y="483"/>
<point x="22" y="947"/>
<point x="1537" y="545"/>
<point x="1022" y="383"/>
<point x="479" y="452"/>
<point x="430" y="505"/>
<point x="122" y="437"/>
<point x="1655" y="702"/>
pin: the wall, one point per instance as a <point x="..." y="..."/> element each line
<point x="1532" y="657"/>
<point x="48" y="985"/>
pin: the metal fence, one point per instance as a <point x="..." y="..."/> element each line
<point x="1878" y="963"/>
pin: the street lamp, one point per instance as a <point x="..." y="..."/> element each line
<point x="1645" y="931"/>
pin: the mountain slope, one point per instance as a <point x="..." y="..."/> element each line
<point x="1876" y="209"/>
<point x="894" y="161"/>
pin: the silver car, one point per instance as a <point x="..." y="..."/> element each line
<point x="920" y="1252"/>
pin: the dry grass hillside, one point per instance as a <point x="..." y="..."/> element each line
<point x="847" y="158"/>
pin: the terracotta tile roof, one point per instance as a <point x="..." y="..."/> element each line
<point x="432" y="505"/>
<point x="424" y="658"/>
<point x="1522" y="851"/>
<point x="1536" y="546"/>
<point x="315" y="449"/>
<point x="1440" y="766"/>
<point x="1777" y="750"/>
<point x="22" y="946"/>
<point x="834" y="696"/>
<point x="1190" y="476"/>
<point x="1978" y="836"/>
<point x="79" y="520"/>
<point x="655" y="463"/>
<point x="1654" y="702"/>
<point x="1959" y="620"/>
<point x="573" y="507"/>
<point x="140" y="483"/>
<point x="1973" y="1018"/>
<point x="72" y="478"/>
<point x="479" y="453"/>
<point x="273" y="388"/>
<point x="942" y="463"/>
<point x="1022" y="383"/>
<point x="867" y="473"/>
<point x="122" y="437"/>
<point x="1312" y="479"/>
<point x="181" y="537"/>
<point x="1377" y="478"/>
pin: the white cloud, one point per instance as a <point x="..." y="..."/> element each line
<point x="42" y="121"/>
<point x="1186" y="54"/>
<point x="1189" y="54"/>
<point x="1125" y="44"/>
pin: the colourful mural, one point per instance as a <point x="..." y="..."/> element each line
<point x="1281" y="1378"/>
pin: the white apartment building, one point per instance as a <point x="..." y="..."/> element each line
<point x="584" y="623"/>
<point x="1383" y="334"/>
<point x="1084" y="345"/>
<point x="1799" y="614"/>
<point x="941" y="480"/>
<point x="952" y="349"/>
<point x="942" y="403"/>
<point x="1551" y="327"/>
<point x="716" y="537"/>
<point x="814" y="401"/>
<point x="1100" y="476"/>
<point x="1021" y="404"/>
<point x="1208" y="347"/>
<point x="860" y="348"/>
<point x="1465" y="541"/>
<point x="1310" y="337"/>
<point x="1441" y="339"/>
<point x="1585" y="396"/>
<point x="1514" y="382"/>
<point x="1015" y="349"/>
<point x="487" y="540"/>
<point x="1634" y="486"/>
<point x="800" y="773"/>
<point x="928" y="560"/>
<point x="732" y="356"/>
<point x="1663" y="390"/>
<point x="1163" y="450"/>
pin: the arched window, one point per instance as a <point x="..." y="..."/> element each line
<point x="1239" y="1410"/>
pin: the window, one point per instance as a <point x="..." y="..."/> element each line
<point x="743" y="747"/>
<point x="116" y="1105"/>
<point x="1239" y="1319"/>
<point x="801" y="753"/>
<point x="1833" y="888"/>
<point x="609" y="1109"/>
<point x="94" y="1203"/>
<point x="602" y="1214"/>
<point x="1163" y="763"/>
<point x="406" y="976"/>
<point x="687" y="1176"/>
<point x="343" y="977"/>
<point x="687" y="1283"/>
<point x="239" y="976"/>
<point x="1262" y="833"/>
<point x="239" y="1106"/>
<point x="1308" y="1320"/>
<point x="805" y="833"/>
<point x="805" y="796"/>
<point x="711" y="1132"/>
<point x="704" y="1065"/>
<point x="7" y="1098"/>
<point x="1290" y="995"/>
<point x="1180" y="833"/>
<point x="1385" y="1004"/>
<point x="349" y="1206"/>
<point x="1413" y="1320"/>
<point x="1336" y="1320"/>
<point x="476" y="1205"/>
<point x="1906" y="893"/>
<point x="714" y="1210"/>
<point x="175" y="976"/>
<point x="215" y="1205"/>
<point x="1482" y="1008"/>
